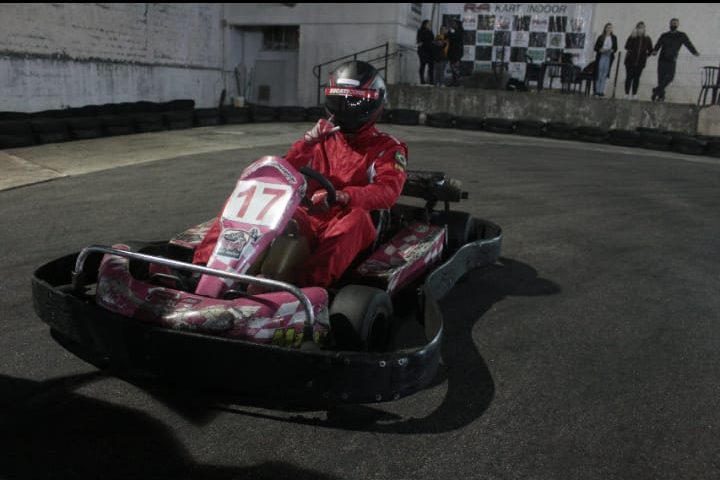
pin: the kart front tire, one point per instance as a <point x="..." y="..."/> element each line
<point x="360" y="318"/>
<point x="459" y="228"/>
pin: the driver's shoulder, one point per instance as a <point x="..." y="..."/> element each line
<point x="389" y="140"/>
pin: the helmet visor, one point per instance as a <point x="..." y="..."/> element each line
<point x="351" y="107"/>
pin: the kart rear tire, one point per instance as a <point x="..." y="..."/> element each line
<point x="361" y="318"/>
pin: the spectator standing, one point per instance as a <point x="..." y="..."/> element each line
<point x="440" y="51"/>
<point x="425" y="40"/>
<point x="669" y="45"/>
<point x="455" y="50"/>
<point x="605" y="48"/>
<point x="638" y="46"/>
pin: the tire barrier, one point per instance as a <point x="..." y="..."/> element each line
<point x="84" y="128"/>
<point x="117" y="125"/>
<point x="624" y="138"/>
<point x="235" y="116"/>
<point x="654" y="139"/>
<point x="559" y="130"/>
<point x="259" y="113"/>
<point x="591" y="134"/>
<point x="148" y="122"/>
<point x="469" y="123"/>
<point x="499" y="125"/>
<point x="291" y="114"/>
<point x="688" y="145"/>
<point x="50" y="130"/>
<point x="313" y="114"/>
<point x="179" y="119"/>
<point x="440" y="120"/>
<point x="402" y="116"/>
<point x="531" y="128"/>
<point x="713" y="148"/>
<point x="22" y="129"/>
<point x="16" y="134"/>
<point x="207" y="117"/>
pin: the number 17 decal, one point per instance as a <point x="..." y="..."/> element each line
<point x="252" y="203"/>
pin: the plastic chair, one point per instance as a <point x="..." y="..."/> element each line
<point x="710" y="83"/>
<point x="533" y="73"/>
<point x="553" y="70"/>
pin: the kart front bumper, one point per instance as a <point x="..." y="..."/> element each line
<point x="128" y="347"/>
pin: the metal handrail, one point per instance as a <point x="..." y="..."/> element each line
<point x="79" y="283"/>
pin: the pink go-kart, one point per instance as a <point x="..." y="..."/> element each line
<point x="241" y="324"/>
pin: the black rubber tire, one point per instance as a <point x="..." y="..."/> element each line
<point x="105" y="110"/>
<point x="207" y="117"/>
<point x="145" y="107"/>
<point x="313" y="114"/>
<point x="49" y="130"/>
<point x="459" y="228"/>
<point x="440" y="120"/>
<point x="48" y="114"/>
<point x="17" y="140"/>
<point x="385" y="116"/>
<point x="531" y="128"/>
<point x="591" y="134"/>
<point x="648" y="130"/>
<point x="84" y="128"/>
<point x="18" y="127"/>
<point x="178" y="119"/>
<point x="403" y="116"/>
<point x="117" y="125"/>
<point x="560" y="131"/>
<point x="148" y="122"/>
<point x="127" y="108"/>
<point x="87" y="111"/>
<point x="624" y="138"/>
<point x="469" y="123"/>
<point x="499" y="125"/>
<point x="655" y="140"/>
<point x="291" y="114"/>
<point x="361" y="319"/>
<point x="688" y="145"/>
<point x="713" y="148"/>
<point x="235" y="116"/>
<point x="10" y="116"/>
<point x="177" y="105"/>
<point x="262" y="114"/>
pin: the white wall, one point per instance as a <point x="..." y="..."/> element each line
<point x="328" y="31"/>
<point x="699" y="20"/>
<point x="59" y="55"/>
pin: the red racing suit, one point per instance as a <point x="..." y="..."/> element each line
<point x="370" y="168"/>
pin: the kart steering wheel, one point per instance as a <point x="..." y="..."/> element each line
<point x="323" y="181"/>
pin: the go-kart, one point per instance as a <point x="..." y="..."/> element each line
<point x="240" y="323"/>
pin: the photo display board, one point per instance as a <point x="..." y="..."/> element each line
<point x="508" y="35"/>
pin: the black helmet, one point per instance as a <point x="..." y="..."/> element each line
<point x="355" y="96"/>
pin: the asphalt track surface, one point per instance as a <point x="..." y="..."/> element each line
<point x="591" y="351"/>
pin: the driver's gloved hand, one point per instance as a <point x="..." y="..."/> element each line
<point x="319" y="200"/>
<point x="322" y="129"/>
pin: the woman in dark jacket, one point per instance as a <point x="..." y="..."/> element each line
<point x="638" y="46"/>
<point x="425" y="40"/>
<point x="605" y="48"/>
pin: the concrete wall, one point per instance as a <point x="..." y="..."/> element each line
<point x="59" y="55"/>
<point x="328" y="31"/>
<point x="547" y="106"/>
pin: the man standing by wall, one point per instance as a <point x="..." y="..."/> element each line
<point x="669" y="45"/>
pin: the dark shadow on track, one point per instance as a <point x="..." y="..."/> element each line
<point x="470" y="387"/>
<point x="48" y="431"/>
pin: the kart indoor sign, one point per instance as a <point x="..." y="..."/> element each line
<point x="517" y="33"/>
